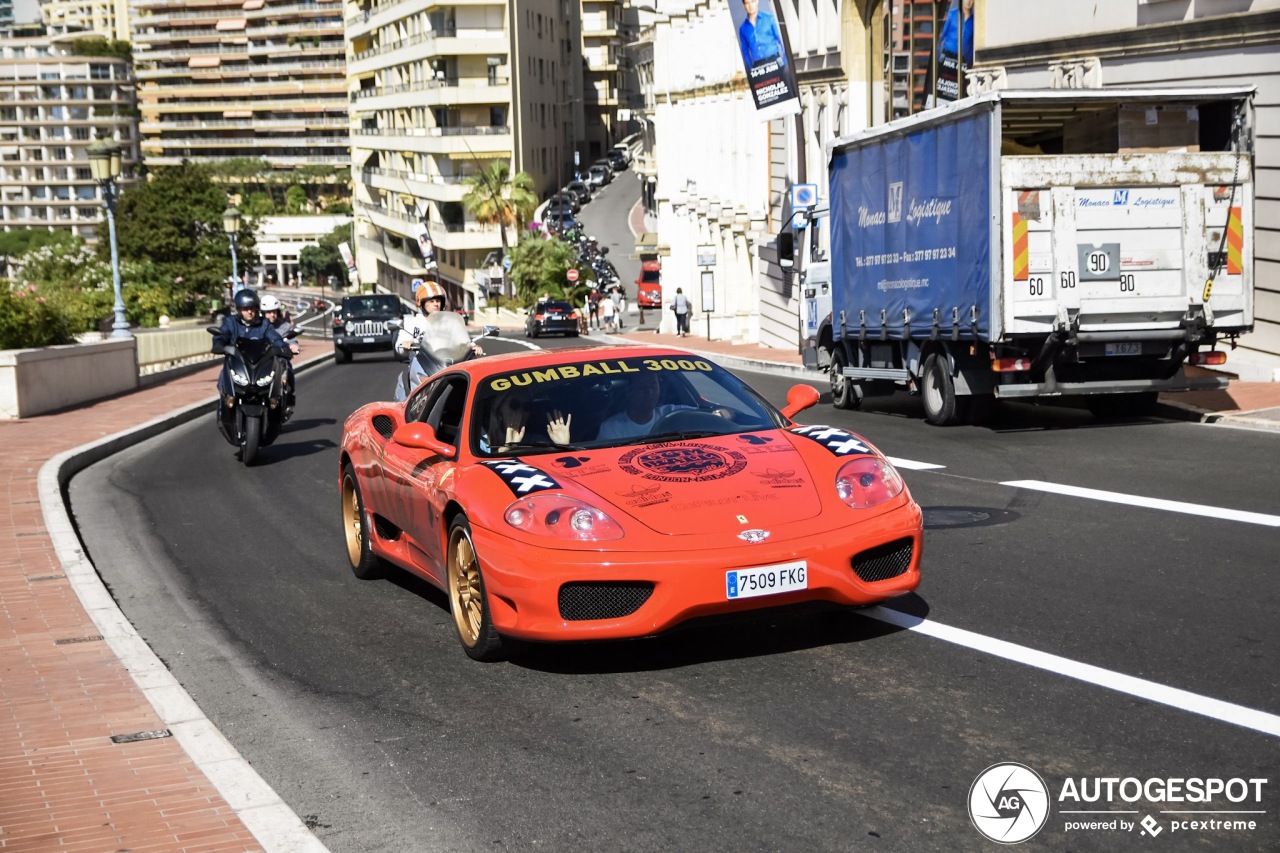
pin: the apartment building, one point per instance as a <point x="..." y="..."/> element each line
<point x="53" y="105"/>
<point x="604" y="63"/>
<point x="722" y="174"/>
<point x="223" y="79"/>
<point x="437" y="91"/>
<point x="107" y="18"/>
<point x="1084" y="44"/>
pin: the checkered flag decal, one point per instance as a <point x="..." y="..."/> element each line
<point x="838" y="441"/>
<point x="522" y="479"/>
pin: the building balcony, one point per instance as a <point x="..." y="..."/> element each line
<point x="433" y="93"/>
<point x="454" y="141"/>
<point x="416" y="48"/>
<point x="432" y="187"/>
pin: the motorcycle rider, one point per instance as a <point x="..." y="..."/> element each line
<point x="276" y="316"/>
<point x="248" y="324"/>
<point x="431" y="298"/>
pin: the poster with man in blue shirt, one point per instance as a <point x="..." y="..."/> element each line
<point x="764" y="57"/>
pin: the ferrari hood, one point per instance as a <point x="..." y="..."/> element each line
<point x="683" y="487"/>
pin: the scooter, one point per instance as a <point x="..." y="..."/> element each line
<point x="445" y="342"/>
<point x="252" y="416"/>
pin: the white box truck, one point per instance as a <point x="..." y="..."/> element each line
<point x="1040" y="243"/>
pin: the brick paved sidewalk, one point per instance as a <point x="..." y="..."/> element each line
<point x="65" y="784"/>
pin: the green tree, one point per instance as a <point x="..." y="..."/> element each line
<point x="324" y="259"/>
<point x="538" y="266"/>
<point x="174" y="220"/>
<point x="257" y="205"/>
<point x="295" y="200"/>
<point x="496" y="197"/>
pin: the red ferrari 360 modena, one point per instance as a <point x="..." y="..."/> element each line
<point x="611" y="492"/>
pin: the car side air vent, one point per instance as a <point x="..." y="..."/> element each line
<point x="604" y="600"/>
<point x="884" y="561"/>
<point x="384" y="425"/>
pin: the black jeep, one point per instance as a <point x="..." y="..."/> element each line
<point x="361" y="324"/>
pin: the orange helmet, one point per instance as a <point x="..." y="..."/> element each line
<point x="429" y="290"/>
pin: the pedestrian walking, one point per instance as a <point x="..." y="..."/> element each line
<point x="680" y="305"/>
<point x="593" y="307"/>
<point x="616" y="297"/>
<point x="608" y="315"/>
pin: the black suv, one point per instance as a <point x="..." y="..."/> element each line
<point x="360" y="325"/>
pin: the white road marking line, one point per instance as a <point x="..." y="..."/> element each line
<point x="912" y="465"/>
<point x="1150" y="503"/>
<point x="1173" y="697"/>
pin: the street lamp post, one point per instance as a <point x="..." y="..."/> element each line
<point x="104" y="164"/>
<point x="231" y="225"/>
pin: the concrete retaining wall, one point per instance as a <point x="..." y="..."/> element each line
<point x="35" y="381"/>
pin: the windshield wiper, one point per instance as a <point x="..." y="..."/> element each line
<point x="682" y="435"/>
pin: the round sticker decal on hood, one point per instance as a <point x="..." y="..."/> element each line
<point x="682" y="462"/>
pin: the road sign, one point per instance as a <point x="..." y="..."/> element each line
<point x="804" y="195"/>
<point x="572" y="274"/>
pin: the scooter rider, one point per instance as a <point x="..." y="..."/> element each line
<point x="275" y="314"/>
<point x="249" y="324"/>
<point x="430" y="297"/>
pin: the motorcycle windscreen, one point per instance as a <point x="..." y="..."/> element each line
<point x="446" y="336"/>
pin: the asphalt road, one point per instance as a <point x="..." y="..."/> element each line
<point x="795" y="731"/>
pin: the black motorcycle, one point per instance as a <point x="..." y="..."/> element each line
<point x="252" y="416"/>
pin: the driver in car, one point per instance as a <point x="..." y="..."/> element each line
<point x="641" y="411"/>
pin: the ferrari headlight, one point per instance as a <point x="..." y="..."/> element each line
<point x="868" y="481"/>
<point x="562" y="517"/>
<point x="239" y="378"/>
<point x="266" y="380"/>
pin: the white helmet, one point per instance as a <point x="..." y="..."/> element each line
<point x="270" y="303"/>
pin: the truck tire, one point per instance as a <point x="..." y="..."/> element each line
<point x="938" y="391"/>
<point x="1138" y="404"/>
<point x="845" y="394"/>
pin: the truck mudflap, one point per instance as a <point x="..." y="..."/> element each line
<point x="1052" y="388"/>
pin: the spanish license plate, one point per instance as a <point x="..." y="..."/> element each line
<point x="767" y="580"/>
<point x="1123" y="348"/>
<point x="368" y="340"/>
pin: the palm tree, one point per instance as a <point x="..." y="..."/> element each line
<point x="495" y="196"/>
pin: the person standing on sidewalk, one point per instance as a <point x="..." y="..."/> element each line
<point x="608" y="315"/>
<point x="593" y="307"/>
<point x="680" y="305"/>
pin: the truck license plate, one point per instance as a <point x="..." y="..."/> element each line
<point x="368" y="340"/>
<point x="1124" y="348"/>
<point x="767" y="580"/>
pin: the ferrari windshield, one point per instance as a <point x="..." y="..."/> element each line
<point x="612" y="402"/>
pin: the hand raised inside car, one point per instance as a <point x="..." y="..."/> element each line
<point x="558" y="427"/>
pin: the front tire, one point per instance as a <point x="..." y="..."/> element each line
<point x="252" y="439"/>
<point x="844" y="393"/>
<point x="342" y="356"/>
<point x="468" y="600"/>
<point x="364" y="563"/>
<point x="942" y="407"/>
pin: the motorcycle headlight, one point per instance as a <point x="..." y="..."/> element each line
<point x="239" y="378"/>
<point x="868" y="481"/>
<point x="266" y="380"/>
<point x="562" y="517"/>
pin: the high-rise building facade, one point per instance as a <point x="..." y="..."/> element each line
<point x="107" y="18"/>
<point x="223" y="79"/>
<point x="53" y="106"/>
<point x="437" y="92"/>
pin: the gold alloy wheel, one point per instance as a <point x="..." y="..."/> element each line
<point x="466" y="598"/>
<point x="352" y="522"/>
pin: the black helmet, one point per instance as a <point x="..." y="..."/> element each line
<point x="246" y="298"/>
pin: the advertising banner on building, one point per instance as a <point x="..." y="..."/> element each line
<point x="345" y="251"/>
<point x="769" y="70"/>
<point x="954" y="49"/>
<point x="424" y="245"/>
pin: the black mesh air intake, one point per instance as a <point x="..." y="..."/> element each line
<point x="884" y="561"/>
<point x="384" y="425"/>
<point x="604" y="600"/>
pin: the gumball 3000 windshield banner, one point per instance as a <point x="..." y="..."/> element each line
<point x="764" y="57"/>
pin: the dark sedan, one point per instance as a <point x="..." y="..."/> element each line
<point x="552" y="316"/>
